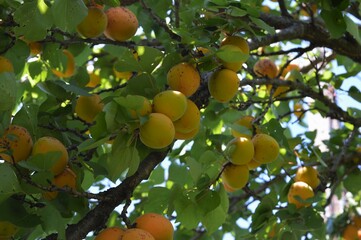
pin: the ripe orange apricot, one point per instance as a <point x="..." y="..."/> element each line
<point x="111" y="233"/>
<point x="157" y="225"/>
<point x="122" y="24"/>
<point x="171" y="103"/>
<point x="7" y="230"/>
<point x="301" y="189"/>
<point x="237" y="41"/>
<point x="69" y="70"/>
<point x="350" y="233"/>
<point x="234" y="65"/>
<point x="240" y="150"/>
<point x="308" y="175"/>
<point x="235" y="176"/>
<point x="157" y="132"/>
<point x="245" y="121"/>
<point x="137" y="234"/>
<point x="67" y="178"/>
<point x="266" y="148"/>
<point x="228" y="188"/>
<point x="5" y="65"/>
<point x="94" y="24"/>
<point x="356" y="220"/>
<point x="184" y="78"/>
<point x="190" y="119"/>
<point x="141" y="110"/>
<point x="49" y="144"/>
<point x="223" y="85"/>
<point x="265" y="68"/>
<point x="94" y="80"/>
<point x="16" y="144"/>
<point x="187" y="136"/>
<point x="88" y="107"/>
<point x="289" y="68"/>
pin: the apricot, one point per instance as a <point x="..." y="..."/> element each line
<point x="184" y="78"/>
<point x="94" y="80"/>
<point x="35" y="48"/>
<point x="245" y="121"/>
<point x="5" y="65"/>
<point x="223" y="85"/>
<point x="49" y="144"/>
<point x="313" y="7"/>
<point x="171" y="103"/>
<point x="356" y="220"/>
<point x="111" y="233"/>
<point x="157" y="225"/>
<point x="236" y="41"/>
<point x="229" y="50"/>
<point x="122" y="24"/>
<point x="16" y="144"/>
<point x="308" y="175"/>
<point x="240" y="150"/>
<point x="235" y="176"/>
<point x="67" y="178"/>
<point x="266" y="148"/>
<point x="94" y="24"/>
<point x="7" y="230"/>
<point x="190" y="119"/>
<point x="122" y="75"/>
<point x="88" y="107"/>
<point x="69" y="70"/>
<point x="289" y="68"/>
<point x="228" y="188"/>
<point x="265" y="68"/>
<point x="142" y="110"/>
<point x="298" y="110"/>
<point x="253" y="164"/>
<point x="301" y="189"/>
<point x="157" y="132"/>
<point x="137" y="234"/>
<point x="187" y="136"/>
<point x="265" y="9"/>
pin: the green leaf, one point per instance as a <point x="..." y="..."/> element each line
<point x="355" y="93"/>
<point x="187" y="211"/>
<point x="352" y="182"/>
<point x="263" y="25"/>
<point x="229" y="54"/>
<point x="144" y="85"/>
<point x="41" y="161"/>
<point x="8" y="91"/>
<point x="112" y="3"/>
<point x="52" y="221"/>
<point x="91" y="144"/>
<point x="353" y="28"/>
<point x="335" y="22"/>
<point x="9" y="182"/>
<point x="208" y="200"/>
<point x="262" y="214"/>
<point x="158" y="200"/>
<point x="149" y="58"/>
<point x="68" y="13"/>
<point x="237" y="12"/>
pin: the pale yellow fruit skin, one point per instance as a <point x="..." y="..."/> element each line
<point x="137" y="234"/>
<point x="184" y="78"/>
<point x="190" y="119"/>
<point x="5" y="65"/>
<point x="67" y="178"/>
<point x="50" y="144"/>
<point x="223" y="85"/>
<point x="245" y="121"/>
<point x="111" y="233"/>
<point x="240" y="42"/>
<point x="88" y="107"/>
<point x="157" y="132"/>
<point x="241" y="150"/>
<point x="171" y="103"/>
<point x="301" y="189"/>
<point x="266" y="148"/>
<point x="265" y="68"/>
<point x="94" y="24"/>
<point x="187" y="136"/>
<point x="253" y="164"/>
<point x="16" y="141"/>
<point x="308" y="175"/>
<point x="122" y="24"/>
<point x="7" y="230"/>
<point x="235" y="176"/>
<point x="157" y="225"/>
<point x="234" y="66"/>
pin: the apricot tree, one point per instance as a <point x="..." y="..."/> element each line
<point x="155" y="103"/>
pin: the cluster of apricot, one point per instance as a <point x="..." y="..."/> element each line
<point x="306" y="180"/>
<point x="149" y="226"/>
<point x="246" y="152"/>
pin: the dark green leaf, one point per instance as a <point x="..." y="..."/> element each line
<point x="68" y="13"/>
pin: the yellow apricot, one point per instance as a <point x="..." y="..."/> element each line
<point x="240" y="150"/>
<point x="223" y="85"/>
<point x="157" y="225"/>
<point x="122" y="24"/>
<point x="289" y="68"/>
<point x="235" y="176"/>
<point x="301" y="189"/>
<point x="245" y="121"/>
<point x="94" y="24"/>
<point x="122" y="75"/>
<point x="236" y="41"/>
<point x="266" y="148"/>
<point x="67" y="178"/>
<point x="5" y="65"/>
<point x="356" y="220"/>
<point x="187" y="136"/>
<point x="70" y="66"/>
<point x="228" y="188"/>
<point x="313" y="7"/>
<point x="253" y="164"/>
<point x="143" y="110"/>
<point x="7" y="230"/>
<point x="190" y="119"/>
<point x="157" y="132"/>
<point x="88" y="107"/>
<point x="111" y="233"/>
<point x="184" y="78"/>
<point x="137" y="234"/>
<point x="49" y="144"/>
<point x="231" y="65"/>
<point x="308" y="175"/>
<point x="94" y="80"/>
<point x="298" y="110"/>
<point x="265" y="9"/>
<point x="171" y="103"/>
<point x="16" y="144"/>
<point x="265" y="68"/>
